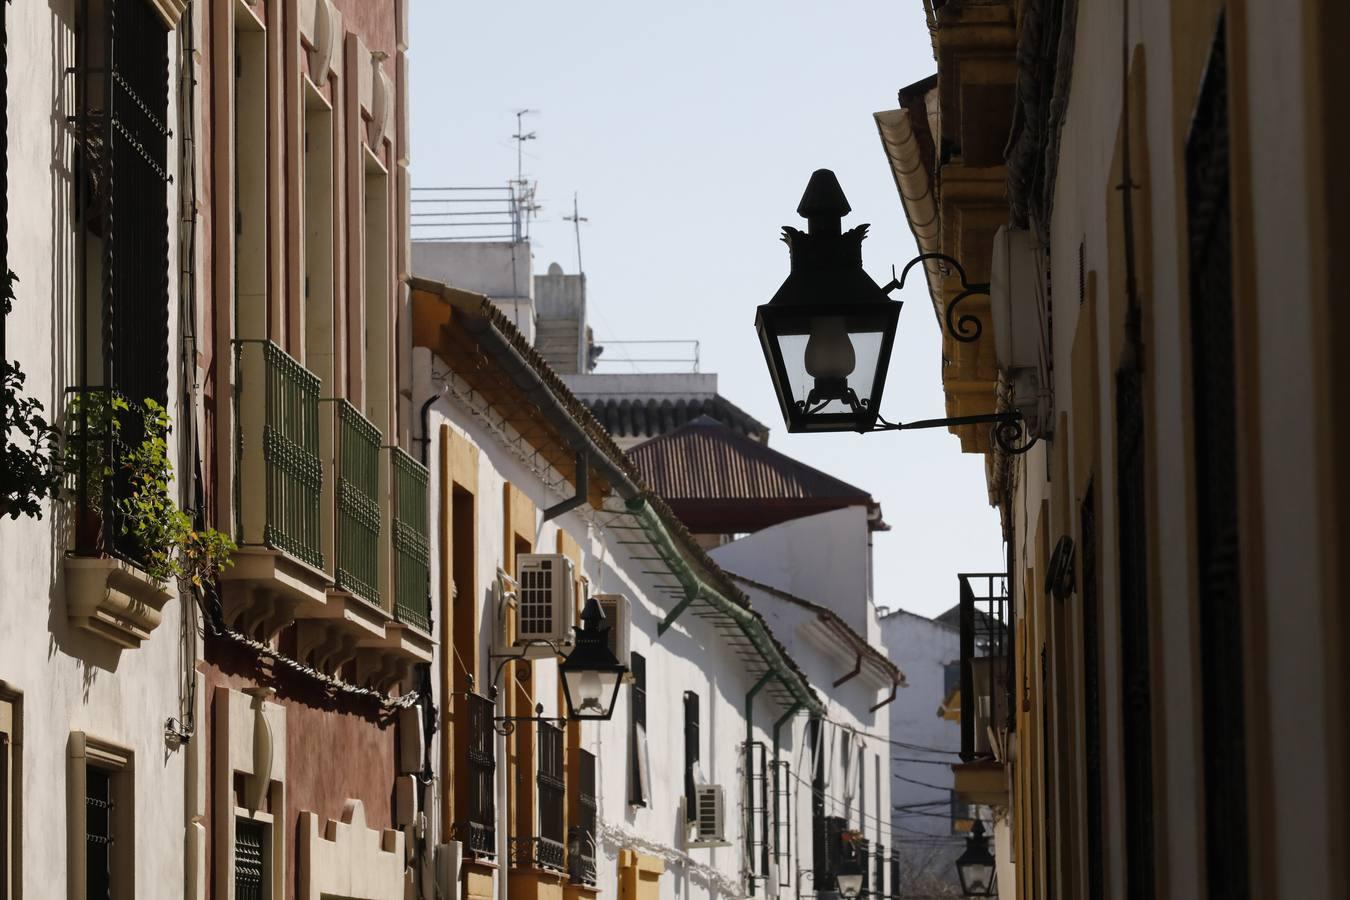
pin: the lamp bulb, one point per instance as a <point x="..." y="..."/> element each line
<point x="829" y="352"/>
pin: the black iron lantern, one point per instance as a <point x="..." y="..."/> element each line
<point x="975" y="866"/>
<point x="827" y="333"/>
<point x="848" y="875"/>
<point x="591" y="673"/>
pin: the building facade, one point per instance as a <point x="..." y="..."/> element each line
<point x="674" y="795"/>
<point x="1166" y="710"/>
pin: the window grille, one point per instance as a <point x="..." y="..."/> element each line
<point x="822" y="874"/>
<point x="249" y="867"/>
<point x="534" y="586"/>
<point x="782" y="819"/>
<point x="121" y="209"/>
<point x="1136" y="708"/>
<point x="1213" y="373"/>
<point x="98" y="833"/>
<point x="894" y="884"/>
<point x="1092" y="725"/>
<point x="549" y="844"/>
<point x="864" y="850"/>
<point x="412" y="543"/>
<point x="581" y="836"/>
<point x="478" y="833"/>
<point x="358" y="510"/>
<point x="757" y="802"/>
<point x="691" y="751"/>
<point x="638" y="777"/>
<point x="879" y="872"/>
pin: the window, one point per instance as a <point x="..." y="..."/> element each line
<point x="476" y="825"/>
<point x="250" y="851"/>
<point x="1213" y="376"/>
<point x="581" y="836"/>
<point x="691" y="752"/>
<point x="102" y="774"/>
<point x="249" y="148"/>
<point x="639" y="773"/>
<point x="549" y="845"/>
<point x="378" y="308"/>
<point x="10" y="757"/>
<point x="821" y="874"/>
<point x="879" y="872"/>
<point x="1092" y="713"/>
<point x="895" y="873"/>
<point x="121" y="217"/>
<point x="782" y="818"/>
<point x="320" y="337"/>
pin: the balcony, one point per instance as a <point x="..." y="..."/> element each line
<point x="411" y="542"/>
<point x="278" y="572"/>
<point x="476" y="825"/>
<point x="987" y="683"/>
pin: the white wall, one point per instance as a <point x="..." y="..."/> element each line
<point x="926" y="743"/>
<point x="823" y="558"/>
<point x="69" y="680"/>
<point x="689" y="656"/>
<point x="501" y="270"/>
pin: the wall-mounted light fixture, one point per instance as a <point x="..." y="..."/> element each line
<point x="827" y="333"/>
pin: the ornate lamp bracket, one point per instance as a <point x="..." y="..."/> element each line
<point x="1010" y="432"/>
<point x="506" y="725"/>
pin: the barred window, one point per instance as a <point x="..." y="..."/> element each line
<point x="639" y="777"/>
<point x="478" y="832"/>
<point x="549" y="849"/>
<point x="250" y="841"/>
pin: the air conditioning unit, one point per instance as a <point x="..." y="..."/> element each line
<point x="1016" y="297"/>
<point x="545" y="603"/>
<point x="618" y="612"/>
<point x="709" y="822"/>
<point x="449" y="856"/>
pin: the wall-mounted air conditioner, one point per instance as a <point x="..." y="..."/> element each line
<point x="1020" y="320"/>
<point x="544" y="602"/>
<point x="618" y="612"/>
<point x="709" y="821"/>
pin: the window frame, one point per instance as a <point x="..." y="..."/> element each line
<point x="86" y="752"/>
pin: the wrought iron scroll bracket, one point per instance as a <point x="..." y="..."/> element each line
<point x="966" y="328"/>
<point x="506" y="725"/>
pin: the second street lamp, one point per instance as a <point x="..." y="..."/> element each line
<point x="827" y="333"/>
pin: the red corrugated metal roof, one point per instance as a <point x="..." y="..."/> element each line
<point x="720" y="482"/>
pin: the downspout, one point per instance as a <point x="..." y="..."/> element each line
<point x="582" y="481"/>
<point x="749" y="760"/>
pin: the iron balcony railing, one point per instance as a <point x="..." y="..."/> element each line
<point x="537" y="852"/>
<point x="478" y="831"/>
<point x="411" y="542"/>
<point x="986" y="662"/>
<point x="277" y="447"/>
<point x="358" y="505"/>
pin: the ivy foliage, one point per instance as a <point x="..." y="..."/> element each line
<point x="30" y="464"/>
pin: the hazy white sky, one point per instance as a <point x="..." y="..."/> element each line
<point x="689" y="131"/>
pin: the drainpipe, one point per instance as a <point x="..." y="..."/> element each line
<point x="581" y="480"/>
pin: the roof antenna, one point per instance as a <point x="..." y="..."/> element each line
<point x="576" y="219"/>
<point x="524" y="195"/>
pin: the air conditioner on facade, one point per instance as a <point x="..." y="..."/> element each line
<point x="618" y="612"/>
<point x="1016" y="296"/>
<point x="448" y="859"/>
<point x="709" y="821"/>
<point x="545" y="603"/>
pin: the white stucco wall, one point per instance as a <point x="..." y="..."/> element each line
<point x="500" y="270"/>
<point x="68" y="680"/>
<point x="690" y="656"/>
<point x="825" y="558"/>
<point x="926" y="744"/>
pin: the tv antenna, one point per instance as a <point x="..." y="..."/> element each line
<point x="524" y="193"/>
<point x="576" y="219"/>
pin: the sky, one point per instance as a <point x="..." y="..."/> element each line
<point x="688" y="131"/>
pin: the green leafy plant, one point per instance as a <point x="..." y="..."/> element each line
<point x="30" y="469"/>
<point x="170" y="547"/>
<point x="173" y="548"/>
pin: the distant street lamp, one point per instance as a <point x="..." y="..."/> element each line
<point x="975" y="866"/>
<point x="848" y="877"/>
<point x="827" y="333"/>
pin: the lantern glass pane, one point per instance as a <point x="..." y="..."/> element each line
<point x="590" y="692"/>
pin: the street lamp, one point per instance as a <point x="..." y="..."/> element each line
<point x="591" y="672"/>
<point x="848" y="877"/>
<point x="975" y="866"/>
<point x="827" y="333"/>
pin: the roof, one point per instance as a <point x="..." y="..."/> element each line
<point x="720" y="482"/>
<point x="649" y="417"/>
<point x="487" y="352"/>
<point x="839" y="626"/>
